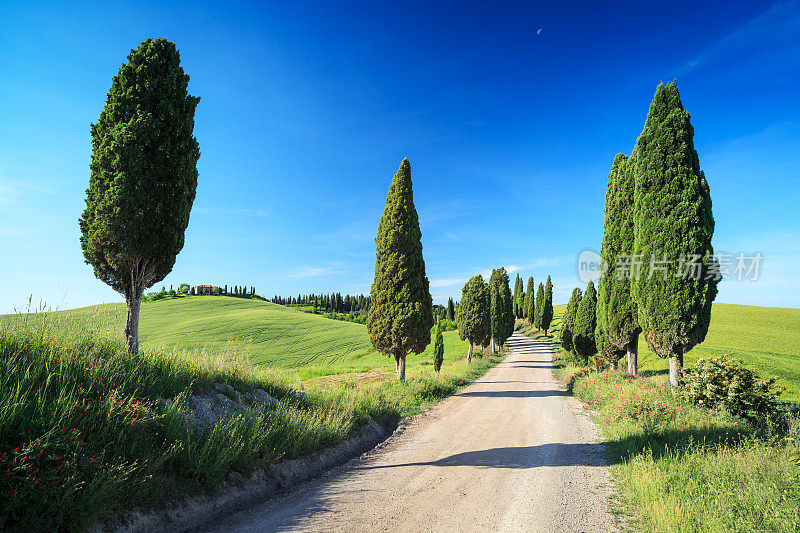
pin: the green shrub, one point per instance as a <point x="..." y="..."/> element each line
<point x="445" y="325"/>
<point x="351" y="317"/>
<point x="727" y="383"/>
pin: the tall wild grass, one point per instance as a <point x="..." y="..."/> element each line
<point x="83" y="434"/>
<point x="681" y="467"/>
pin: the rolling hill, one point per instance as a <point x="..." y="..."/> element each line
<point x="269" y="334"/>
<point x="766" y="338"/>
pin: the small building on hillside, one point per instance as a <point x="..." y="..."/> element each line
<point x="205" y="289"/>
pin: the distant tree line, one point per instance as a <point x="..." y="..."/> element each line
<point x="534" y="307"/>
<point x="331" y="303"/>
<point x="162" y="294"/>
<point x="445" y="315"/>
<point x="184" y="289"/>
<point x="238" y="290"/>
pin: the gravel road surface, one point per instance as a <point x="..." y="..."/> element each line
<point x="511" y="452"/>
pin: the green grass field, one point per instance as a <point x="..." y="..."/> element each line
<point x="765" y="338"/>
<point x="268" y="334"/>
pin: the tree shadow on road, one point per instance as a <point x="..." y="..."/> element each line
<point x="518" y="381"/>
<point x="515" y="393"/>
<point x="551" y="454"/>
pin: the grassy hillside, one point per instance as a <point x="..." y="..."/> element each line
<point x="268" y="334"/>
<point x="84" y="432"/>
<point x="765" y="338"/>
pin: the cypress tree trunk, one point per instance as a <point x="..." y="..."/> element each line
<point x="469" y="353"/>
<point x="675" y="367"/>
<point x="613" y="365"/>
<point x="493" y="345"/>
<point x="133" y="302"/>
<point x="400" y="363"/>
<point x="633" y="355"/>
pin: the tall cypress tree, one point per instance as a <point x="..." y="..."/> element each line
<point x="497" y="306"/>
<point x="438" y="350"/>
<point x="143" y="176"/>
<point x="502" y="315"/>
<point x="401" y="316"/>
<point x="673" y="224"/>
<point x="538" y="307"/>
<point x="530" y="301"/>
<point x="474" y="323"/>
<point x="568" y="320"/>
<point x="487" y="339"/>
<point x="508" y="301"/>
<point x="616" y="310"/>
<point x="585" y="323"/>
<point x="547" y="306"/>
<point x="519" y="293"/>
<point x="451" y="310"/>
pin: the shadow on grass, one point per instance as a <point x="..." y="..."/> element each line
<point x="650" y="373"/>
<point x="672" y="443"/>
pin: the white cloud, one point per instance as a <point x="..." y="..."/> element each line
<point x="12" y="191"/>
<point x="446" y="282"/>
<point x="315" y="271"/>
<point x="773" y="31"/>
<point x="443" y="211"/>
<point x="243" y="212"/>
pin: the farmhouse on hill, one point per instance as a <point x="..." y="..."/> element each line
<point x="205" y="289"/>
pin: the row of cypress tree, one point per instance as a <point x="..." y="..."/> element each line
<point x="445" y="312"/>
<point x="238" y="290"/>
<point x="327" y="302"/>
<point x="485" y="314"/>
<point x="536" y="308"/>
<point x="657" y="209"/>
<point x="579" y="324"/>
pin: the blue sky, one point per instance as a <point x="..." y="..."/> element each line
<point x="308" y="108"/>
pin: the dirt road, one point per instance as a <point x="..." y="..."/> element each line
<point x="512" y="452"/>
